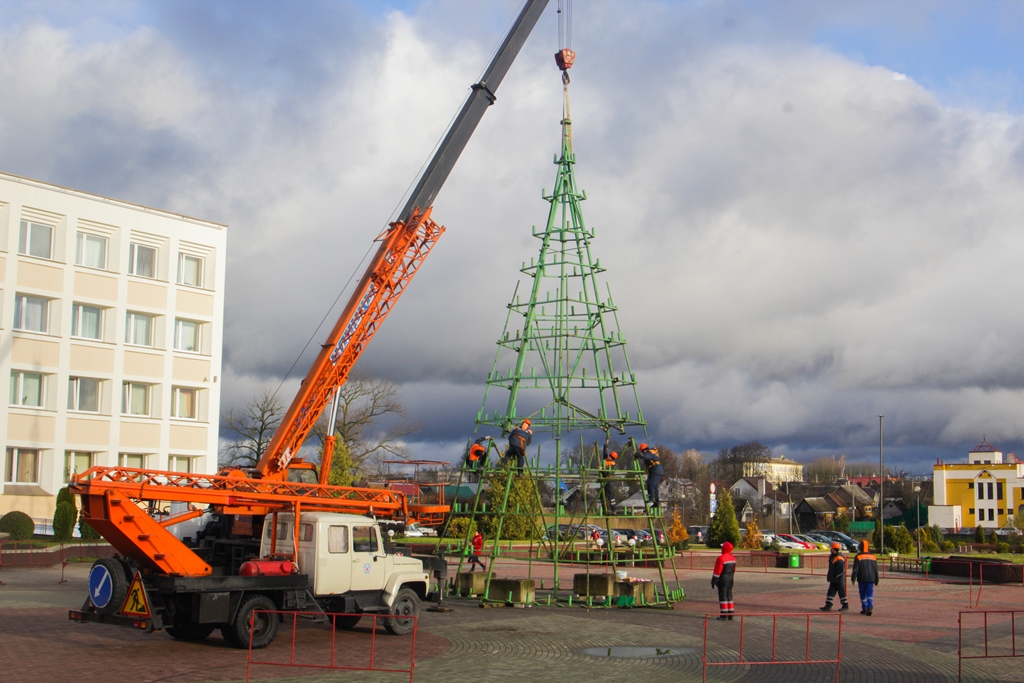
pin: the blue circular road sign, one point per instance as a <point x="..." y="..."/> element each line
<point x="101" y="586"/>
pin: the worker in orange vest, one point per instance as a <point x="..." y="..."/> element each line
<point x="836" y="579"/>
<point x="610" y="457"/>
<point x="476" y="458"/>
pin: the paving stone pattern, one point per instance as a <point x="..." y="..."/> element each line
<point x="911" y="637"/>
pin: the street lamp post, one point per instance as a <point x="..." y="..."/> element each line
<point x="917" y="490"/>
<point x="881" y="490"/>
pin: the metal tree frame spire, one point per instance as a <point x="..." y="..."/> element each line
<point x="569" y="368"/>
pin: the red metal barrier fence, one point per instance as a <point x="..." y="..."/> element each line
<point x="29" y="554"/>
<point x="777" y="659"/>
<point x="331" y="662"/>
<point x="989" y="651"/>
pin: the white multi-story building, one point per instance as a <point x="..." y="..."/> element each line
<point x="111" y="316"/>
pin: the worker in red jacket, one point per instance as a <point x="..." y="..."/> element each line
<point x="865" y="572"/>
<point x="478" y="547"/>
<point x="836" y="579"/>
<point x="725" y="570"/>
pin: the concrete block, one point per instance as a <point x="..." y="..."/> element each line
<point x="469" y="584"/>
<point x="593" y="584"/>
<point x="513" y="590"/>
<point x="642" y="592"/>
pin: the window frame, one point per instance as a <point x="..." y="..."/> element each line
<point x="177" y="391"/>
<point x="133" y="260"/>
<point x="17" y="388"/>
<point x="173" y="460"/>
<point x="373" y="536"/>
<point x="331" y="540"/>
<point x="200" y="270"/>
<point x="69" y="463"/>
<point x="126" y="399"/>
<point x="75" y="394"/>
<point x="12" y="460"/>
<point x="123" y="457"/>
<point x="81" y="238"/>
<point x="76" y="321"/>
<point x="20" y="305"/>
<point x="129" y="329"/>
<point x="25" y="239"/>
<point x="198" y="338"/>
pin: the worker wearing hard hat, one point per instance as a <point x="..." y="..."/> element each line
<point x="476" y="458"/>
<point x="836" y="579"/>
<point x="518" y="440"/>
<point x="655" y="472"/>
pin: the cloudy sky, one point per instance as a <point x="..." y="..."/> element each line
<point x="810" y="213"/>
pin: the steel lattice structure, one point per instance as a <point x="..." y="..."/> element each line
<point x="568" y="369"/>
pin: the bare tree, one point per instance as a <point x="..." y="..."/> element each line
<point x="365" y="402"/>
<point x="253" y="427"/>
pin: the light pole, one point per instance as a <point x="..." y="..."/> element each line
<point x="881" y="490"/>
<point x="917" y="490"/>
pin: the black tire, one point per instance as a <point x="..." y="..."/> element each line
<point x="190" y="631"/>
<point x="405" y="604"/>
<point x="119" y="587"/>
<point x="347" y="622"/>
<point x="264" y="630"/>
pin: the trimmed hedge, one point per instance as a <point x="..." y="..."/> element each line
<point x="64" y="518"/>
<point x="19" y="525"/>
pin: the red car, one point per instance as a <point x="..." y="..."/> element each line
<point x="794" y="539"/>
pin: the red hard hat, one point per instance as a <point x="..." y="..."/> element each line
<point x="643" y="447"/>
<point x="836" y="546"/>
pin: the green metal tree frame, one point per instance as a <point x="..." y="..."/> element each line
<point x="568" y="329"/>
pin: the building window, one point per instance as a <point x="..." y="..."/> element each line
<point x="35" y="239"/>
<point x="970" y="484"/>
<point x="132" y="460"/>
<point x="990" y="497"/>
<point x="76" y="462"/>
<point x="84" y="394"/>
<point x="135" y="399"/>
<point x="999" y="491"/>
<point x="187" y="335"/>
<point x="141" y="260"/>
<point x="190" y="270"/>
<point x="26" y="389"/>
<point x="991" y="515"/>
<point x="138" y="330"/>
<point x="970" y="511"/>
<point x="22" y="466"/>
<point x="31" y="313"/>
<point x="179" y="463"/>
<point x="86" y="322"/>
<point x="183" y="402"/>
<point x="91" y="251"/>
<point x="999" y="511"/>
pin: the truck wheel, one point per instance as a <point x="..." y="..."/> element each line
<point x="347" y="622"/>
<point x="115" y="592"/>
<point x="264" y="628"/>
<point x="190" y="631"/>
<point x="406" y="604"/>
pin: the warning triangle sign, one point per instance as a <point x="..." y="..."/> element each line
<point x="136" y="603"/>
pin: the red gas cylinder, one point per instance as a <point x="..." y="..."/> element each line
<point x="266" y="568"/>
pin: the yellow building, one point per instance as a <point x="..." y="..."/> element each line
<point x="111" y="317"/>
<point x="985" y="491"/>
<point x="776" y="470"/>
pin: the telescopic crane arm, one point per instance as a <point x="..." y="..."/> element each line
<point x="404" y="245"/>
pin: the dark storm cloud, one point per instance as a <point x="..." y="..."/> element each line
<point x="799" y="239"/>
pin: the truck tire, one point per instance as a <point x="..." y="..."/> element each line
<point x="190" y="631"/>
<point x="264" y="629"/>
<point x="118" y="581"/>
<point x="405" y="604"/>
<point x="347" y="622"/>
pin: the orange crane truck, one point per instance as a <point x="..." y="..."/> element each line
<point x="278" y="536"/>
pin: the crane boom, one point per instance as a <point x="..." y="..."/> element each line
<point x="404" y="245"/>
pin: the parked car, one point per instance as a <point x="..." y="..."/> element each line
<point x="817" y="544"/>
<point x="638" y="535"/>
<point x="698" y="534"/>
<point x="791" y="545"/>
<point x="799" y="543"/>
<point x="844" y="540"/>
<point x="819" y="539"/>
<point x="414" y="530"/>
<point x="1007" y="531"/>
<point x="564" y="532"/>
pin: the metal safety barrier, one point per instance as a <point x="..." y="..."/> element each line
<point x="1001" y="652"/>
<point x="332" y="661"/>
<point x="777" y="659"/>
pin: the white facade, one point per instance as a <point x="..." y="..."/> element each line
<point x="111" y="318"/>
